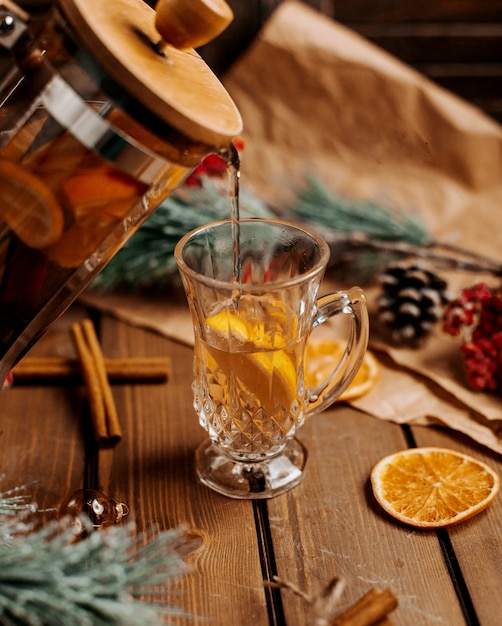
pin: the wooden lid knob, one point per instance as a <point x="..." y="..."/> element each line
<point x="191" y="23"/>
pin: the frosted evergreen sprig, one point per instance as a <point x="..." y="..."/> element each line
<point x="363" y="233"/>
<point x="316" y="203"/>
<point x="12" y="501"/>
<point x="146" y="261"/>
<point x="358" y="230"/>
<point x="48" y="579"/>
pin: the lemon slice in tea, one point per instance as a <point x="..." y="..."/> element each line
<point x="227" y="324"/>
<point x="266" y="372"/>
<point x="433" y="487"/>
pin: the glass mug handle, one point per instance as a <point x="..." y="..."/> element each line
<point x="352" y="303"/>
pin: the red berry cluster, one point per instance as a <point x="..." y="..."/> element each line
<point x="479" y="307"/>
<point x="213" y="166"/>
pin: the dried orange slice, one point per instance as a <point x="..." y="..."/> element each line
<point x="433" y="487"/>
<point x="99" y="187"/>
<point x="28" y="206"/>
<point x="82" y="238"/>
<point x="321" y="357"/>
<point x="96" y="201"/>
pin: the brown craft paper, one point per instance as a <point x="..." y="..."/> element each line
<point x="317" y="98"/>
<point x="404" y="397"/>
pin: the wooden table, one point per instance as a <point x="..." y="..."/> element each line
<point x="328" y="526"/>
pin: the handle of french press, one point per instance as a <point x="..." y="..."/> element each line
<point x="191" y="23"/>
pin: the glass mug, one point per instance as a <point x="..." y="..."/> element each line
<point x="252" y="292"/>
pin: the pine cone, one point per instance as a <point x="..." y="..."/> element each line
<point x="411" y="301"/>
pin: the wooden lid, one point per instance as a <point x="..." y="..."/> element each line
<point x="176" y="85"/>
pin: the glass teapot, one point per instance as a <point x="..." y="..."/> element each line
<point x="101" y="117"/>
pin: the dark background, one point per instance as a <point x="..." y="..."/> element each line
<point x="456" y="43"/>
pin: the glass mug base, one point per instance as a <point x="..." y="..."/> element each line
<point x="251" y="480"/>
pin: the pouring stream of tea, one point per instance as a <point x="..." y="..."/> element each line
<point x="231" y="156"/>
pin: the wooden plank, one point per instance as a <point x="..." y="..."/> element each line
<point x="470" y="80"/>
<point x="387" y="10"/>
<point x="476" y="542"/>
<point x="436" y="42"/>
<point x="42" y="443"/>
<point x="152" y="471"/>
<point x="479" y="84"/>
<point x="330" y="526"/>
<point x="327" y="526"/>
<point x="418" y="11"/>
<point x="456" y="44"/>
<point x="42" y="433"/>
<point x="463" y="58"/>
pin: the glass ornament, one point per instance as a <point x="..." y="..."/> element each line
<point x="101" y="510"/>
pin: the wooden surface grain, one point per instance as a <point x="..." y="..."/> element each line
<point x="328" y="526"/>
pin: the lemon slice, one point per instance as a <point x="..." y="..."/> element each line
<point x="267" y="373"/>
<point x="433" y="487"/>
<point x="321" y="357"/>
<point x="228" y="324"/>
<point x="28" y="206"/>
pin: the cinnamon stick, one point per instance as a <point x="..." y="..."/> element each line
<point x="104" y="416"/>
<point x="126" y="369"/>
<point x="370" y="610"/>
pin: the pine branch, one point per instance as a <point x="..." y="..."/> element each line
<point x="453" y="259"/>
<point x="146" y="261"/>
<point x="10" y="503"/>
<point x="354" y="228"/>
<point x="316" y="204"/>
<point x="46" y="578"/>
<point x="363" y="233"/>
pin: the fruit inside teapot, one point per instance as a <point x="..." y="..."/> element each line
<point x="64" y="210"/>
<point x="97" y="127"/>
